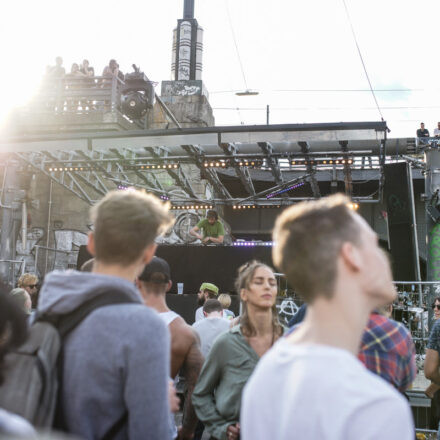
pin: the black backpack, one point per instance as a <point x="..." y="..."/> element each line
<point x="33" y="371"/>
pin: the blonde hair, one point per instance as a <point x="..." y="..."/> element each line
<point x="308" y="238"/>
<point x="225" y="300"/>
<point x="245" y="274"/>
<point x="27" y="279"/>
<point x="125" y="223"/>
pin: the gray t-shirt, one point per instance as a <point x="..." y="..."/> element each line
<point x="208" y="329"/>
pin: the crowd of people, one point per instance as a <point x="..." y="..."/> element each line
<point x="338" y="372"/>
<point x="423" y="132"/>
<point x="82" y="70"/>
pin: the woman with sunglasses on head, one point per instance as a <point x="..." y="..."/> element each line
<point x="234" y="355"/>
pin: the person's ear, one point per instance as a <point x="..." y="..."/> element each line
<point x="243" y="295"/>
<point x="205" y="314"/>
<point x="91" y="244"/>
<point x="351" y="256"/>
<point x="170" y="284"/>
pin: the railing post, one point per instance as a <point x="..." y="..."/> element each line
<point x="114" y="92"/>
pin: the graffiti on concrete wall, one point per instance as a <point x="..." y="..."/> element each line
<point x="65" y="240"/>
<point x="68" y="241"/>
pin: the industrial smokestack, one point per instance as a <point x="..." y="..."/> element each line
<point x="188" y="9"/>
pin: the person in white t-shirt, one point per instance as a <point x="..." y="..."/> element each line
<point x="310" y="385"/>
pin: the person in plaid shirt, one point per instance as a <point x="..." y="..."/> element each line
<point x="387" y="350"/>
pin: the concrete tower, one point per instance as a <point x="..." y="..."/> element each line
<point x="186" y="95"/>
<point x="187" y="50"/>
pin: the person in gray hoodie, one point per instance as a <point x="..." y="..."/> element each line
<point x="116" y="361"/>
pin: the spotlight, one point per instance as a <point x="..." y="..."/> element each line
<point x="137" y="95"/>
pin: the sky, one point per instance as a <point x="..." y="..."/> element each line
<point x="299" y="55"/>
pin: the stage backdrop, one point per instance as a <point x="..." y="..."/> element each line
<point x="193" y="265"/>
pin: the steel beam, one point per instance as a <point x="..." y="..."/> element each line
<point x="74" y="187"/>
<point x="272" y="162"/>
<point x="347" y="171"/>
<point x="241" y="172"/>
<point x="197" y="153"/>
<point x="178" y="175"/>
<point x="305" y="147"/>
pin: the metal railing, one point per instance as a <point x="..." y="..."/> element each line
<point x="72" y="94"/>
<point x="12" y="271"/>
<point x="47" y="249"/>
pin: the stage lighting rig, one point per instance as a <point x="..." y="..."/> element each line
<point x="137" y="95"/>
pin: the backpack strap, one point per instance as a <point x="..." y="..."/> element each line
<point x="68" y="322"/>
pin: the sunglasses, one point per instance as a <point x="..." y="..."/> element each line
<point x="33" y="286"/>
<point x="436" y="306"/>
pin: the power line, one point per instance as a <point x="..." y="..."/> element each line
<point x="326" y="90"/>
<point x="235" y="42"/>
<point x="362" y="60"/>
<point x="434" y="107"/>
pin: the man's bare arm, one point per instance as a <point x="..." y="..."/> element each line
<point x="194" y="232"/>
<point x="190" y="369"/>
<point x="218" y="239"/>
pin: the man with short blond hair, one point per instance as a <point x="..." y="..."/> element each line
<point x="116" y="361"/>
<point x="316" y="386"/>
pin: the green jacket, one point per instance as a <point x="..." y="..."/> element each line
<point x="217" y="395"/>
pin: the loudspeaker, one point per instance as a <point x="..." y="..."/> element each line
<point x="399" y="199"/>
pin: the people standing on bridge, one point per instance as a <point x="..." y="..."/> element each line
<point x="422" y="132"/>
<point x="311" y="382"/>
<point x="234" y="355"/>
<point x="57" y="71"/>
<point x="211" y="227"/>
<point x="153" y="283"/>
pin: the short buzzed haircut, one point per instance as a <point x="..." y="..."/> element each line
<point x="127" y="222"/>
<point x="212" y="305"/>
<point x="308" y="238"/>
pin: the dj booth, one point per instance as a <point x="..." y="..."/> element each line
<point x="192" y="265"/>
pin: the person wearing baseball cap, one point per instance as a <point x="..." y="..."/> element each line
<point x="153" y="283"/>
<point x="206" y="291"/>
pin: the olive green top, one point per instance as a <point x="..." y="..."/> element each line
<point x="217" y="395"/>
<point x="209" y="230"/>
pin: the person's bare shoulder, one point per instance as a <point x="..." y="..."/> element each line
<point x="183" y="333"/>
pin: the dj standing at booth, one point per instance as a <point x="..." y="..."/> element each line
<point x="212" y="228"/>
